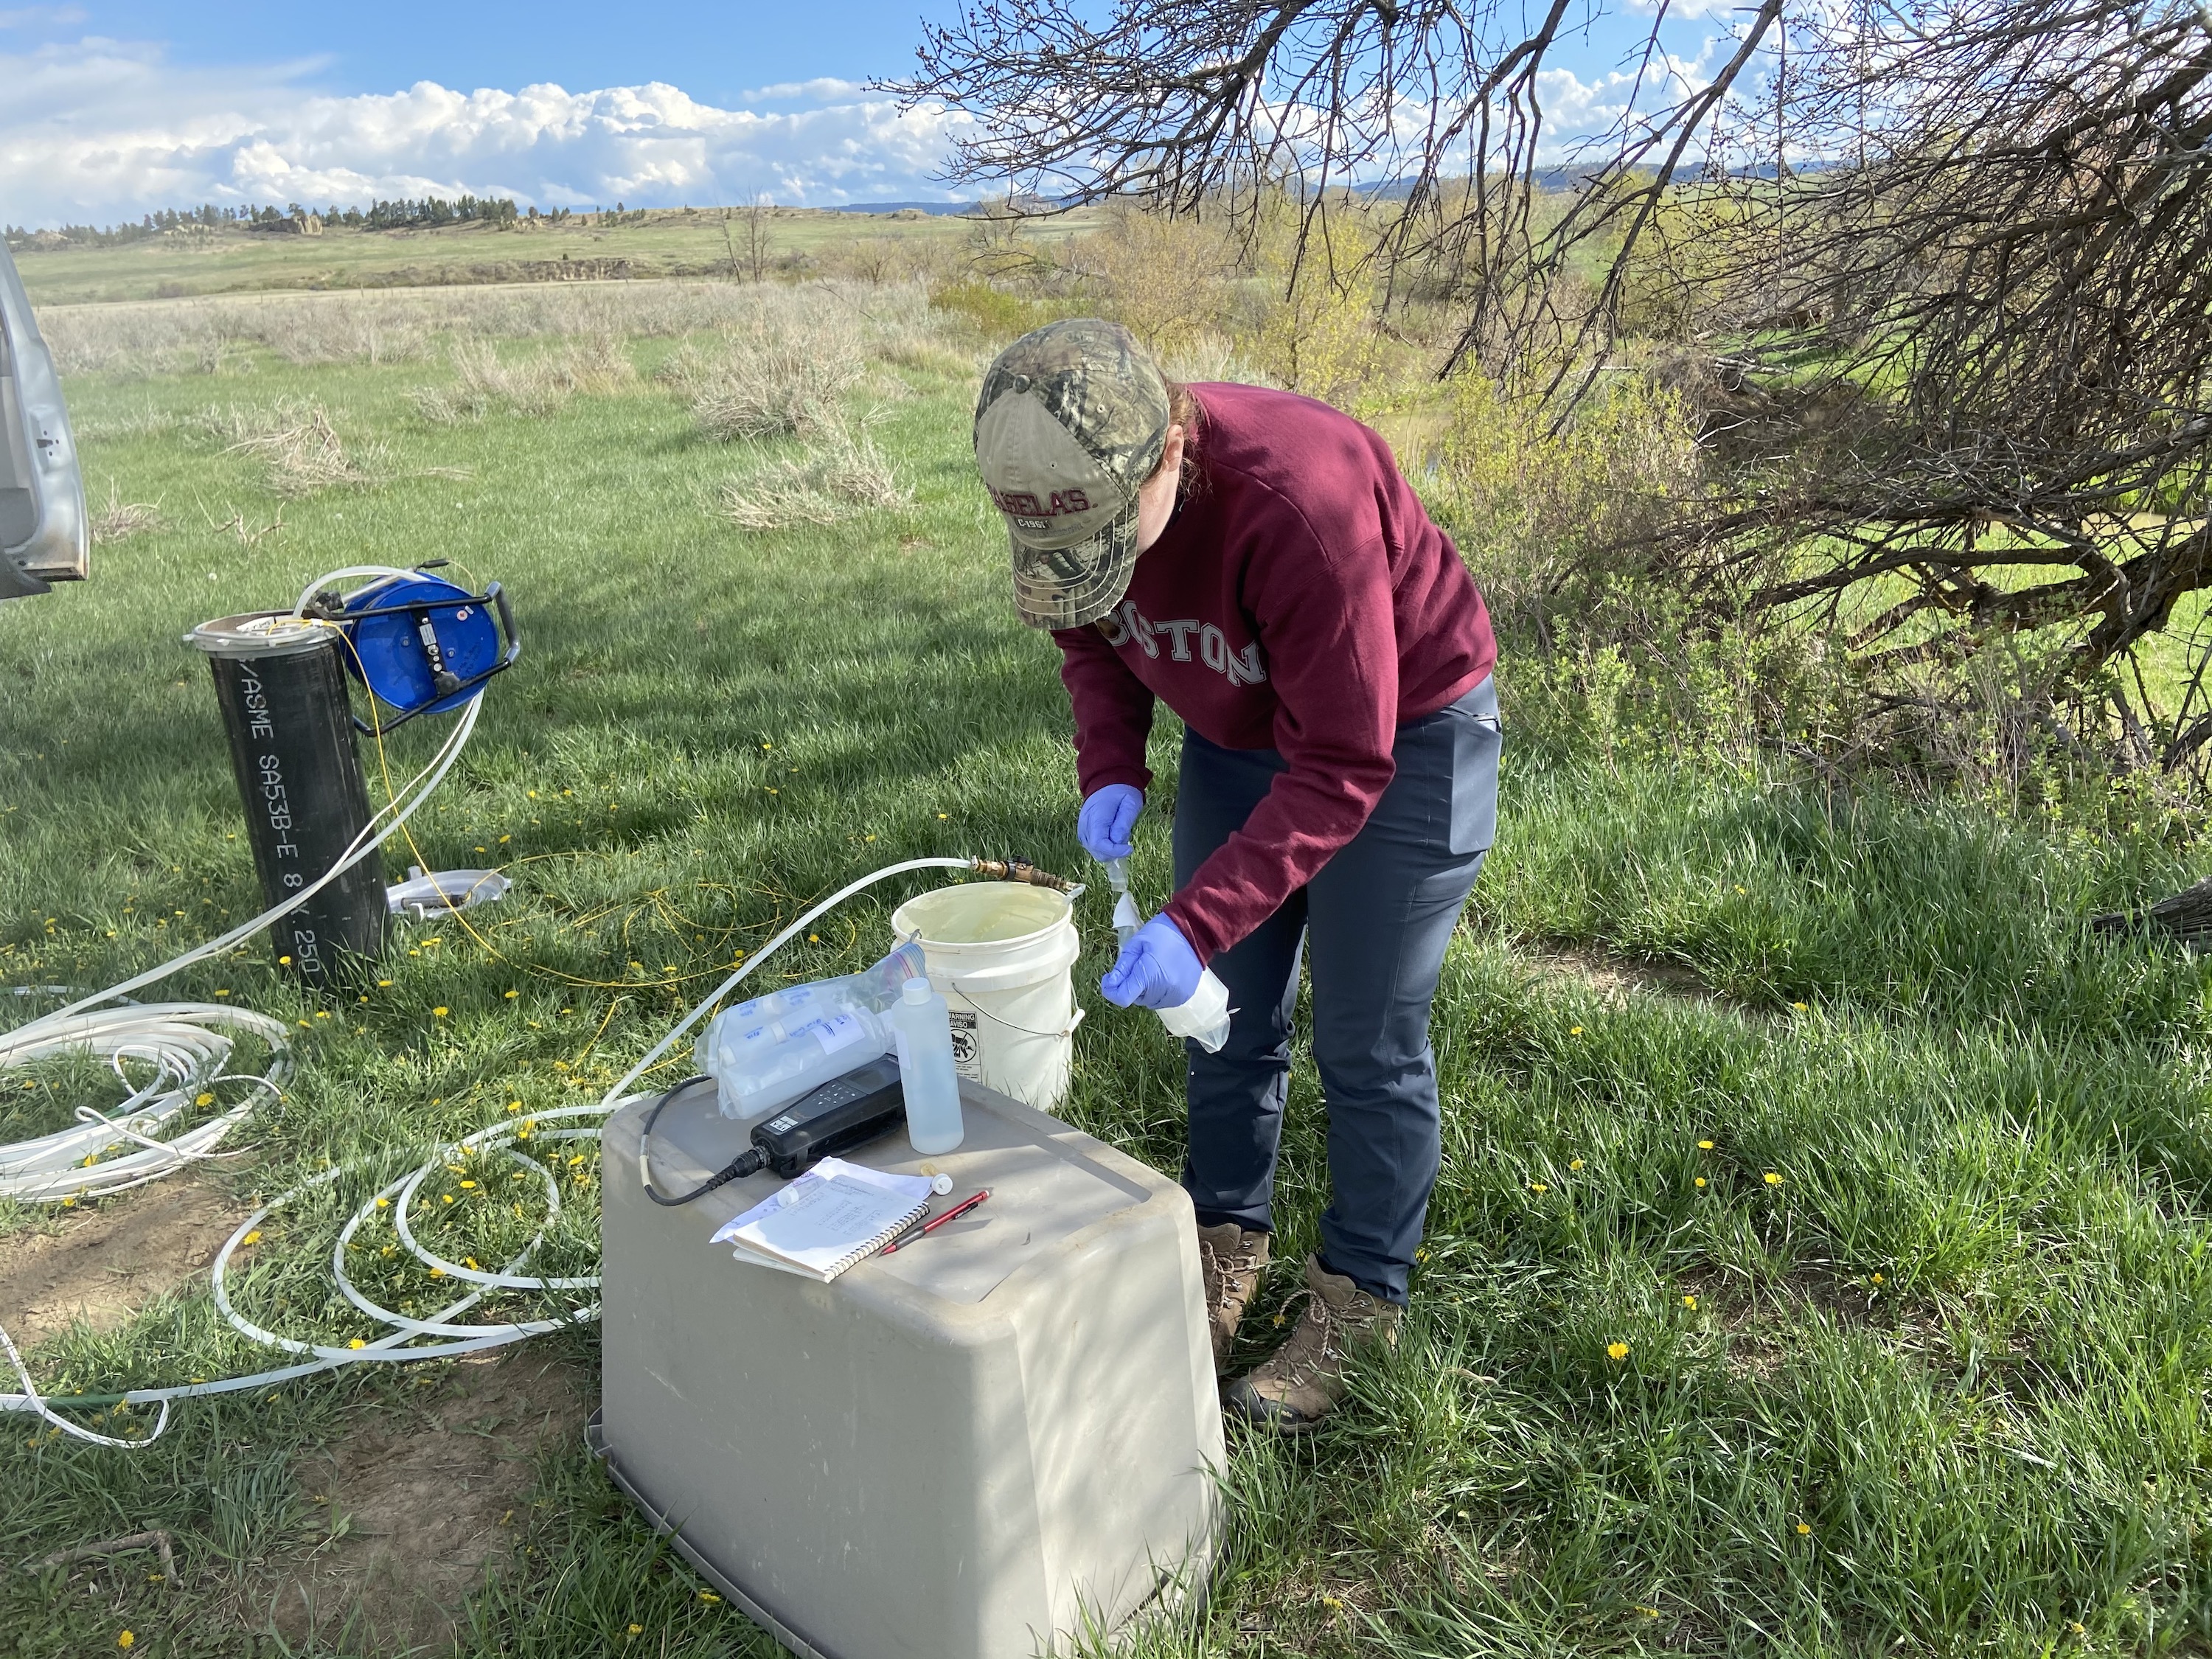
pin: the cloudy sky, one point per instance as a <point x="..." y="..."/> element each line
<point x="110" y="109"/>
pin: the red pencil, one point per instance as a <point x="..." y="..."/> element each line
<point x="931" y="1225"/>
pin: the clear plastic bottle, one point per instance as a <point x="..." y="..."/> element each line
<point x="921" y="1031"/>
<point x="743" y="1049"/>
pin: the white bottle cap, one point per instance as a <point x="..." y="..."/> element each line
<point x="915" y="990"/>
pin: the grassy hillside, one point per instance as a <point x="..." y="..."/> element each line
<point x="1820" y="1259"/>
<point x="658" y="242"/>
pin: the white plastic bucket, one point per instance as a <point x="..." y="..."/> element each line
<point x="1001" y="953"/>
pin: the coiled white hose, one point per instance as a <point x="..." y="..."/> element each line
<point x="450" y="1338"/>
<point x="187" y="1044"/>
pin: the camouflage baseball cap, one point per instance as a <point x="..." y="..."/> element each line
<point x="1071" y="419"/>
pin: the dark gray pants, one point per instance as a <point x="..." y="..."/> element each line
<point x="1378" y="916"/>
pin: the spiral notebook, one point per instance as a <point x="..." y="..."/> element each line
<point x="836" y="1215"/>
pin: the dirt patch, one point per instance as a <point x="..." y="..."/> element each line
<point x="105" y="1261"/>
<point x="1613" y="976"/>
<point x="420" y="1497"/>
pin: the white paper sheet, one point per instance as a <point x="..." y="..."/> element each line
<point x="827" y="1218"/>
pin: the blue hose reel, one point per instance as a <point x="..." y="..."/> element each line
<point x="421" y="645"/>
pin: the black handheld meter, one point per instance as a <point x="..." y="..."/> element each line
<point x="843" y="1113"/>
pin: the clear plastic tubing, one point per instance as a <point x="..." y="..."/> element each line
<point x="921" y="1031"/>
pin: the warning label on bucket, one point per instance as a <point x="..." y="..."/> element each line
<point x="967" y="1052"/>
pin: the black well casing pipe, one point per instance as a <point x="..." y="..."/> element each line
<point x="281" y="687"/>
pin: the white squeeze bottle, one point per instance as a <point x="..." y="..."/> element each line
<point x="921" y="1033"/>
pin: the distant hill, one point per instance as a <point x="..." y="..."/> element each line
<point x="901" y="207"/>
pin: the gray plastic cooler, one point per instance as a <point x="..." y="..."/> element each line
<point x="976" y="1448"/>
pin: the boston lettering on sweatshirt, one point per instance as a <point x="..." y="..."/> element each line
<point x="1301" y="599"/>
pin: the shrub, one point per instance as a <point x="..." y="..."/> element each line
<point x="296" y="444"/>
<point x="786" y="381"/>
<point x="844" y="475"/>
<point x="530" y="386"/>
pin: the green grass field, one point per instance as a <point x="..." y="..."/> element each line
<point x="1859" y="1303"/>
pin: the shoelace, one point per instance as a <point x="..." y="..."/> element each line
<point x="1324" y="1318"/>
<point x="1215" y="1270"/>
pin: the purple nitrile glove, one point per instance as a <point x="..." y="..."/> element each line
<point x="1107" y="818"/>
<point x="1156" y="968"/>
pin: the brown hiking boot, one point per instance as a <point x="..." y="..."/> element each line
<point x="1304" y="1379"/>
<point x="1232" y="1258"/>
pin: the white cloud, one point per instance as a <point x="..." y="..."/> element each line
<point x="101" y="129"/>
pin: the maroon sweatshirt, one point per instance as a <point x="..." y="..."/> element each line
<point x="1300" y="600"/>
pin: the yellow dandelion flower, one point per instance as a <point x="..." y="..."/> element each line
<point x="513" y="1105"/>
<point x="437" y="1273"/>
<point x="1773" y="1179"/>
<point x="1538" y="1187"/>
<point x="1877" y="1279"/>
<point x="1574" y="1163"/>
<point x="637" y="1630"/>
<point x="1804" y="1531"/>
<point x="510" y="995"/>
<point x="1701" y="1182"/>
<point x="468" y="1186"/>
<point x="126" y="1640"/>
<point x="1574" y="1031"/>
<point x="1705" y="1145"/>
<point x="708" y="1595"/>
<point x="1799" y="1006"/>
<point x="439" y="1013"/>
<point x="253" y="1237"/>
<point x="383" y="1203"/>
<point x="356" y="1343"/>
<point x="205" y="1099"/>
<point x="1616" y="1351"/>
<point x="1691" y="1303"/>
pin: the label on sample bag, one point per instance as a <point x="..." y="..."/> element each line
<point x="967" y="1050"/>
<point x="843" y="1032"/>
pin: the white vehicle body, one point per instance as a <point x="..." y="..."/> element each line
<point x="44" y="537"/>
